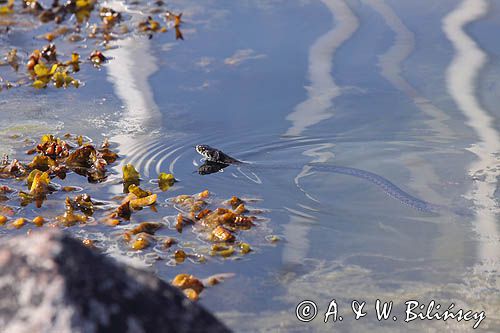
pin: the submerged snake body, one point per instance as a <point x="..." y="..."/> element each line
<point x="216" y="160"/>
<point x="386" y="185"/>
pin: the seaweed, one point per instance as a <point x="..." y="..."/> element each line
<point x="141" y="241"/>
<point x="13" y="169"/>
<point x="38" y="221"/>
<point x="165" y="181"/>
<point x="219" y="223"/>
<point x="12" y="59"/>
<point x="7" y="9"/>
<point x="138" y="192"/>
<point x="42" y="163"/>
<point x="109" y="17"/>
<point x="97" y="58"/>
<point x="82" y="202"/>
<point x="143" y="202"/>
<point x="92" y="20"/>
<point x="39" y="187"/>
<point x="146" y="227"/>
<point x="150" y="25"/>
<point x="87" y="161"/>
<point x="221" y="233"/>
<point x="70" y="218"/>
<point x="130" y="175"/>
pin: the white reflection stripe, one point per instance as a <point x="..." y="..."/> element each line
<point x="460" y="78"/>
<point x="323" y="89"/>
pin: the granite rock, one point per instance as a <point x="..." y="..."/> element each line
<point x="50" y="282"/>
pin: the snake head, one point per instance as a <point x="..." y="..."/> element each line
<point x="202" y="149"/>
<point x="208" y="152"/>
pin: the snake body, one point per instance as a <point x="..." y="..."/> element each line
<point x="384" y="184"/>
<point x="216" y="160"/>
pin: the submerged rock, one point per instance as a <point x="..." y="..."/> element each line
<point x="50" y="282"/>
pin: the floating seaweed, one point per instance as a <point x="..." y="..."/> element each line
<point x="93" y="21"/>
<point x="206" y="218"/>
<point x="220" y="225"/>
<point x="150" y="25"/>
<point x="38" y="221"/>
<point x="138" y="192"/>
<point x="58" y="73"/>
<point x="130" y="175"/>
<point x="109" y="17"/>
<point x="12" y="59"/>
<point x="70" y="218"/>
<point x="165" y="181"/>
<point x="97" y="58"/>
<point x="190" y="285"/>
<point x="7" y="9"/>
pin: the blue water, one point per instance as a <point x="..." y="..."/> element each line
<point x="405" y="90"/>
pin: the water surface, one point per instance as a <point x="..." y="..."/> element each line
<point x="404" y="90"/>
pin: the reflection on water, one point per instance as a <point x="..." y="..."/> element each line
<point x="323" y="89"/>
<point x="390" y="63"/>
<point x="342" y="237"/>
<point x="318" y="106"/>
<point x="462" y="75"/>
<point x="129" y="71"/>
<point x="237" y="83"/>
<point x="208" y="168"/>
<point x="424" y="176"/>
<point x="130" y="79"/>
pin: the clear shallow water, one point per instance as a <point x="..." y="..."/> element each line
<point x="405" y="90"/>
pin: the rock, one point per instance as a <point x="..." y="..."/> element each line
<point x="50" y="282"/>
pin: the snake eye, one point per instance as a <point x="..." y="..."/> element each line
<point x="202" y="149"/>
